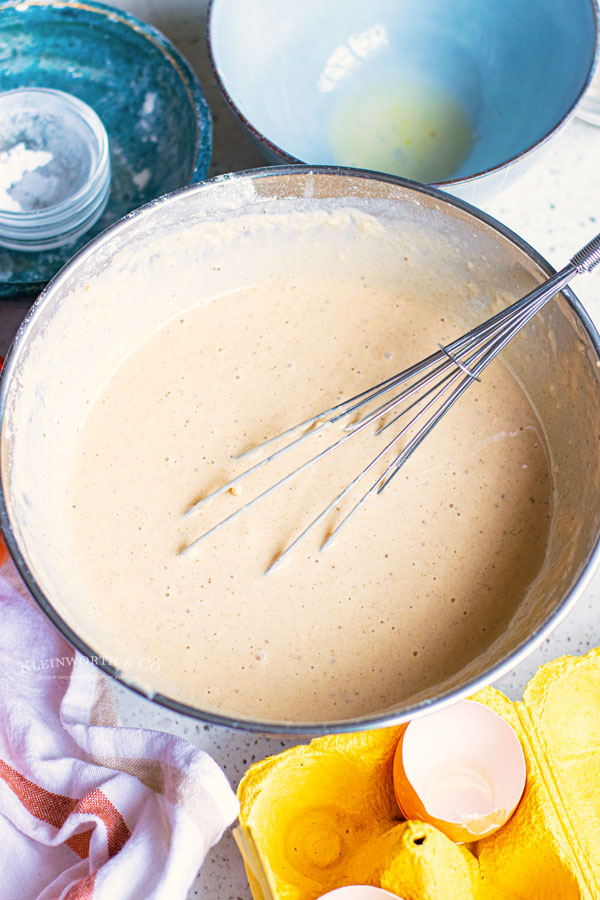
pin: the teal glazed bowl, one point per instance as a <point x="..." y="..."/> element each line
<point x="147" y="96"/>
<point x="460" y="94"/>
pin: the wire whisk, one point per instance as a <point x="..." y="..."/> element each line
<point x="428" y="389"/>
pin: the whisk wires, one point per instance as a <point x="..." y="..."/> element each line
<point x="428" y="389"/>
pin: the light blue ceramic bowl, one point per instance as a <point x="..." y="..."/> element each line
<point x="459" y="94"/>
<point x="145" y="93"/>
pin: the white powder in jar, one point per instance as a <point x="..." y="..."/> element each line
<point x="14" y="164"/>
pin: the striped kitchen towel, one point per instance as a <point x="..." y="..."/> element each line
<point x="89" y="809"/>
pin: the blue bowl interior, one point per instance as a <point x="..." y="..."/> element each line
<point x="147" y="97"/>
<point x="516" y="67"/>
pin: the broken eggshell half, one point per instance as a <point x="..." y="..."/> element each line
<point x="461" y="769"/>
<point x="359" y="892"/>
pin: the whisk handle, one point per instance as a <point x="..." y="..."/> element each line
<point x="588" y="257"/>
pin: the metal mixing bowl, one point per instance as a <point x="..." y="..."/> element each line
<point x="68" y="346"/>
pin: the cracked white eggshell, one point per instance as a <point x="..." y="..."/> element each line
<point x="461" y="769"/>
<point x="359" y="892"/>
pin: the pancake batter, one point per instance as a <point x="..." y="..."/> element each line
<point x="421" y="581"/>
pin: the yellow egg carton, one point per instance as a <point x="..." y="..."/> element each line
<point x="323" y="815"/>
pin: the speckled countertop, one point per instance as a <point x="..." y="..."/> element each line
<point x="555" y="207"/>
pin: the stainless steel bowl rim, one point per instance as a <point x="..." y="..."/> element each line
<point x="265" y="726"/>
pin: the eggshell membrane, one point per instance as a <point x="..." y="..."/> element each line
<point x="548" y="850"/>
<point x="461" y="769"/>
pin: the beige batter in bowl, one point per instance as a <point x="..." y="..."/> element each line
<point x="225" y="239"/>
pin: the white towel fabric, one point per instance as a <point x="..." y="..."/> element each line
<point x="89" y="809"/>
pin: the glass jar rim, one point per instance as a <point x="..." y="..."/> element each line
<point x="96" y="129"/>
<point x="22" y="229"/>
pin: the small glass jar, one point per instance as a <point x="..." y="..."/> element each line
<point x="54" y="169"/>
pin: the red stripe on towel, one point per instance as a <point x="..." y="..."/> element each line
<point x="83" y="889"/>
<point x="54" y="809"/>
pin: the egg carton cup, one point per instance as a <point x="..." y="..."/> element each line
<point x="323" y="815"/>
